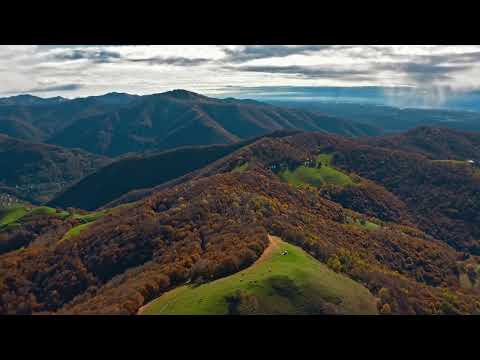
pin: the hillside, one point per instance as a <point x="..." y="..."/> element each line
<point x="181" y="118"/>
<point x="440" y="197"/>
<point x="32" y="118"/>
<point x="30" y="100"/>
<point x="137" y="172"/>
<point x="35" y="172"/>
<point x="216" y="221"/>
<point x="285" y="280"/>
<point x="114" y="124"/>
<point x="150" y="170"/>
<point x="435" y="143"/>
<point x="393" y="118"/>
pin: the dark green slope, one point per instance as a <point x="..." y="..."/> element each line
<point x="181" y="118"/>
<point x="142" y="172"/>
<point x="137" y="172"/>
<point x="35" y="172"/>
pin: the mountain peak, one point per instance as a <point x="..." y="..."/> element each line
<point x="183" y="94"/>
<point x="28" y="99"/>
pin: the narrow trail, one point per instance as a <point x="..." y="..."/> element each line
<point x="273" y="244"/>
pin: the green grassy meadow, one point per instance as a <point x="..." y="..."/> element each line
<point x="241" y="168"/>
<point x="314" y="176"/>
<point x="294" y="283"/>
<point x="75" y="231"/>
<point x="10" y="215"/>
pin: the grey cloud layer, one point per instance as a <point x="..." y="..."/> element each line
<point x="103" y="56"/>
<point x="178" y="61"/>
<point x="425" y="72"/>
<point x="80" y="70"/>
<point x="98" y="56"/>
<point x="310" y="72"/>
<point x="254" y="52"/>
<point x="54" y="88"/>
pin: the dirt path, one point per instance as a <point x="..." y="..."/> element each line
<point x="273" y="244"/>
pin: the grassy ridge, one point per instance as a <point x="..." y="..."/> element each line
<point x="88" y="220"/>
<point x="294" y="283"/>
<point x="10" y="215"/>
<point x="241" y="168"/>
<point x="75" y="231"/>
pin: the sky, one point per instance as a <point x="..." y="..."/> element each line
<point x="229" y="70"/>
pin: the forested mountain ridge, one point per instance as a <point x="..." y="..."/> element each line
<point x="434" y="142"/>
<point x="114" y="124"/>
<point x="35" y="172"/>
<point x="150" y="169"/>
<point x="364" y="211"/>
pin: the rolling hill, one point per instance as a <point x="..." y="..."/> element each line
<point x="35" y="172"/>
<point x="32" y="118"/>
<point x="285" y="280"/>
<point x="435" y="143"/>
<point x="150" y="170"/>
<point x="209" y="225"/>
<point x="137" y="172"/>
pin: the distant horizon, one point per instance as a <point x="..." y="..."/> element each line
<point x="212" y="91"/>
<point x="393" y="96"/>
<point x="74" y="71"/>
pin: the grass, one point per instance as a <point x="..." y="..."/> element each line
<point x="325" y="159"/>
<point x="88" y="219"/>
<point x="75" y="231"/>
<point x="10" y="215"/>
<point x="295" y="283"/>
<point x="11" y="218"/>
<point x="367" y="225"/>
<point x="364" y="224"/>
<point x="43" y="210"/>
<point x="450" y="161"/>
<point x="92" y="216"/>
<point x="240" y="168"/>
<point x="456" y="162"/>
<point x="317" y="177"/>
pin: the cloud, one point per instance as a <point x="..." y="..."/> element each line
<point x="455" y="58"/>
<point x="97" y="56"/>
<point x="54" y="88"/>
<point x="146" y="69"/>
<point x="254" y="52"/>
<point x="176" y="61"/>
<point x="427" y="72"/>
<point x="311" y="72"/>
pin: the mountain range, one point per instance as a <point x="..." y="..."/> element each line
<point x="177" y="203"/>
<point x="119" y="124"/>
<point x="390" y="118"/>
<point x="115" y="123"/>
